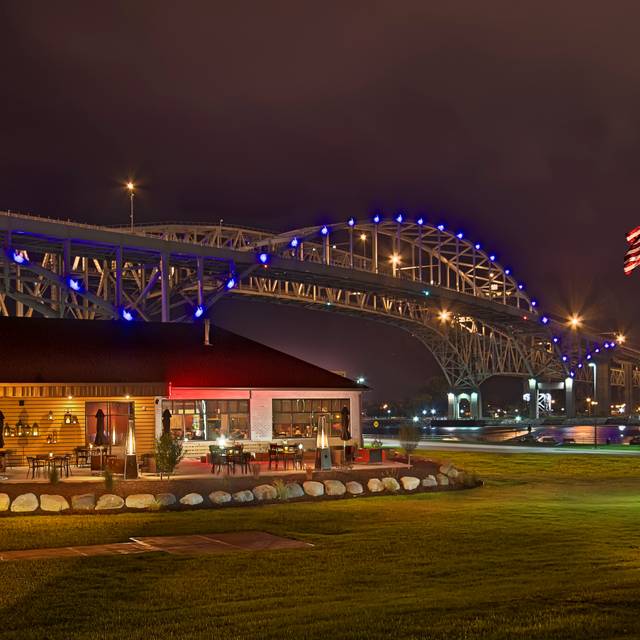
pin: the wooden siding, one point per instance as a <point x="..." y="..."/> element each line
<point x="69" y="436"/>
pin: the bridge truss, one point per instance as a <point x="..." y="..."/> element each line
<point x="453" y="296"/>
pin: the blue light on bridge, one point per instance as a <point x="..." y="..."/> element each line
<point x="440" y="227"/>
<point x="564" y="358"/>
<point x="544" y="320"/>
<point x="199" y="312"/>
<point x="294" y="243"/>
<point x="597" y="349"/>
<point x="606" y="345"/>
<point x="572" y="373"/>
<point x="18" y="257"/>
<point x="399" y="218"/>
<point x="534" y="303"/>
<point x="420" y="221"/>
<point x="520" y="286"/>
<point x="426" y="292"/>
<point x="555" y="339"/>
<point x="231" y="283"/>
<point x="376" y="218"/>
<point x="263" y="258"/>
<point x="127" y="315"/>
<point x="492" y="257"/>
<point x="459" y="235"/>
<point x="507" y="272"/>
<point x="325" y="230"/>
<point x="351" y="222"/>
<point x="588" y="356"/>
<point x="478" y="246"/>
<point x="579" y="365"/>
<point x="74" y="284"/>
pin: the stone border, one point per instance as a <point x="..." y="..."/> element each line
<point x="447" y="478"/>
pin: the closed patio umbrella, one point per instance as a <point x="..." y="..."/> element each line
<point x="100" y="439"/>
<point x="166" y="421"/>
<point x="345" y="432"/>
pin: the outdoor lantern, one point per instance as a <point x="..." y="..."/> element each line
<point x="35" y="429"/>
<point x="67" y="418"/>
<point x="50" y="416"/>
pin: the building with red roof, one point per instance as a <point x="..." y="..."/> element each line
<point x="209" y="383"/>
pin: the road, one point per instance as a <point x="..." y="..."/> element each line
<point x="501" y="448"/>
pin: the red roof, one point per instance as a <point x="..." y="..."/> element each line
<point x="97" y="351"/>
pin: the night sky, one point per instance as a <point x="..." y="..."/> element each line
<point x="516" y="122"/>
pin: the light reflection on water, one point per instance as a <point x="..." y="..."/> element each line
<point x="580" y="434"/>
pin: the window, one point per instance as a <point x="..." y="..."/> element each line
<point x="116" y="421"/>
<point x="209" y="419"/>
<point x="299" y="418"/>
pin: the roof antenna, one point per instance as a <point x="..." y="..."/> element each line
<point x="206" y="331"/>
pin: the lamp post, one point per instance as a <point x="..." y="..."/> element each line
<point x="131" y="189"/>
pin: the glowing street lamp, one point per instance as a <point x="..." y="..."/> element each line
<point x="395" y="261"/>
<point x="131" y="189"/>
<point x="620" y="338"/>
<point x="444" y="315"/>
<point x="575" y="321"/>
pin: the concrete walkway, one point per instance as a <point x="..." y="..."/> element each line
<point x="506" y="448"/>
<point x="214" y="543"/>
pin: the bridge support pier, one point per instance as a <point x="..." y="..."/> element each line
<point x="474" y="399"/>
<point x="601" y="388"/>
<point x="539" y="401"/>
<point x="627" y="367"/>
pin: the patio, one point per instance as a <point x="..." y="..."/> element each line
<point x="194" y="469"/>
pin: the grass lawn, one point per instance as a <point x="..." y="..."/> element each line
<point x="548" y="548"/>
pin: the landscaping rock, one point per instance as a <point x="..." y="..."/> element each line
<point x="109" y="501"/>
<point x="140" y="501"/>
<point x="334" y="488"/>
<point x="5" y="500"/>
<point x="53" y="503"/>
<point x="354" y="488"/>
<point x="445" y="468"/>
<point x="265" y="492"/>
<point x="375" y="486"/>
<point x="192" y="499"/>
<point x="442" y="479"/>
<point x="243" y="496"/>
<point x="165" y="499"/>
<point x="293" y="490"/>
<point x="83" y="502"/>
<point x="453" y="473"/>
<point x="24" y="503"/>
<point x="430" y="481"/>
<point x="220" y="497"/>
<point x="410" y="483"/>
<point x="313" y="488"/>
<point x="390" y="484"/>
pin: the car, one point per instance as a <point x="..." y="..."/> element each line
<point x="547" y="440"/>
<point x="635" y="440"/>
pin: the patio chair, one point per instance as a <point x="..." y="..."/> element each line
<point x="275" y="454"/>
<point x="34" y="466"/>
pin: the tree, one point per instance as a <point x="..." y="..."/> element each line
<point x="409" y="439"/>
<point x="168" y="452"/>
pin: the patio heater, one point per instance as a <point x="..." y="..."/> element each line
<point x="130" y="459"/>
<point x="323" y="452"/>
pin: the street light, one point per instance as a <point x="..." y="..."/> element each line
<point x="444" y="315"/>
<point x="131" y="189"/>
<point x="620" y="338"/>
<point x="575" y="321"/>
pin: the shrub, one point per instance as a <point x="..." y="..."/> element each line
<point x="409" y="439"/>
<point x="281" y="489"/>
<point x="168" y="452"/>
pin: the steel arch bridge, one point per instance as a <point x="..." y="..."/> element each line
<point x="452" y="295"/>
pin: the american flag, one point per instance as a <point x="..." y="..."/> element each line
<point x="632" y="257"/>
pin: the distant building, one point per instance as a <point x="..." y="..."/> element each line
<point x="56" y="374"/>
